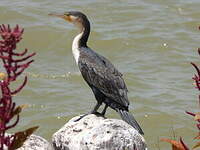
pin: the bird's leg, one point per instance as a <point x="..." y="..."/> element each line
<point x="94" y="110"/>
<point x="96" y="107"/>
<point x="104" y="110"/>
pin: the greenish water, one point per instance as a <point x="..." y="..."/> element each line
<point x="152" y="42"/>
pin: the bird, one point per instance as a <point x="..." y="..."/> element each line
<point x="105" y="81"/>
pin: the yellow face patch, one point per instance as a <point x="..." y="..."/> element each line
<point x="70" y="18"/>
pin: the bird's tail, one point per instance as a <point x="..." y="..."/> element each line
<point x="127" y="117"/>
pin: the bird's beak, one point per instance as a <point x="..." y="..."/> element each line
<point x="67" y="18"/>
<point x="57" y="15"/>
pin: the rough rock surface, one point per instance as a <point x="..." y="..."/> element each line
<point x="35" y="142"/>
<point x="97" y="133"/>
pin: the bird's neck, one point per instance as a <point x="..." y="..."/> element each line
<point x="83" y="36"/>
<point x="81" y="39"/>
<point x="76" y="47"/>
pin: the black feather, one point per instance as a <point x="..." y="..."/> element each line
<point x="126" y="116"/>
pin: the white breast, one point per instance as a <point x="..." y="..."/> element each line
<point x="75" y="48"/>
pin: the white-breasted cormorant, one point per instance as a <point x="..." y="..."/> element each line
<point x="103" y="78"/>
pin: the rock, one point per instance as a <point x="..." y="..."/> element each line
<point x="35" y="142"/>
<point x="97" y="133"/>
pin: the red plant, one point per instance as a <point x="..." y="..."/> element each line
<point x="14" y="63"/>
<point x="180" y="145"/>
<point x="196" y="77"/>
<point x="196" y="116"/>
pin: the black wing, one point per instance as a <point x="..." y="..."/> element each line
<point x="100" y="73"/>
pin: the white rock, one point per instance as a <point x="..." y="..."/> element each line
<point x="35" y="142"/>
<point x="97" y="133"/>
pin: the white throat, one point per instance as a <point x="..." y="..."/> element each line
<point x="75" y="48"/>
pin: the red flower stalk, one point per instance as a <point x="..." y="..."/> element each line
<point x="14" y="67"/>
<point x="14" y="63"/>
<point x="183" y="144"/>
<point x="196" y="78"/>
<point x="180" y="145"/>
<point x="7" y="107"/>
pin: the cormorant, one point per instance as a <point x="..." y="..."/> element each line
<point x="103" y="78"/>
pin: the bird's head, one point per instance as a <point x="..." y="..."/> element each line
<point x="75" y="17"/>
